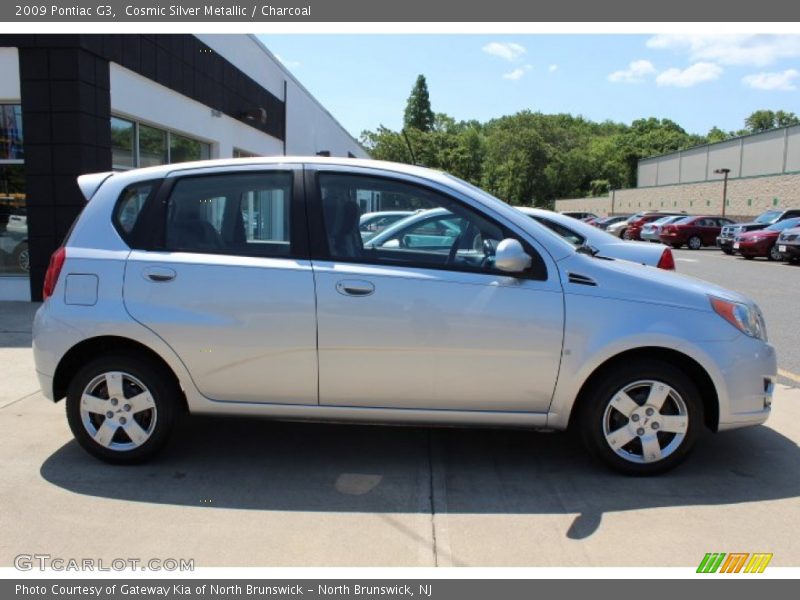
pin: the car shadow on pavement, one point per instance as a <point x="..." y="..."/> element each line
<point x="262" y="465"/>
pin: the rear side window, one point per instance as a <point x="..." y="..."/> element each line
<point x="129" y="207"/>
<point x="246" y="214"/>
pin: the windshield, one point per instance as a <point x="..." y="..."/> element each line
<point x="768" y="217"/>
<point x="787" y="224"/>
<point x="684" y="220"/>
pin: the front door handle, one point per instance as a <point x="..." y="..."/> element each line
<point x="159" y="274"/>
<point x="354" y="287"/>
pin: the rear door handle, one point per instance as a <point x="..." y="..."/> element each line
<point x="159" y="274"/>
<point x="354" y="287"/>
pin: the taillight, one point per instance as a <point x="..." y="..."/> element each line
<point x="669" y="228"/>
<point x="666" y="261"/>
<point x="53" y="271"/>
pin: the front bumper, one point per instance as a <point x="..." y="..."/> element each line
<point x="790" y="252"/>
<point x="760" y="248"/>
<point x="749" y="371"/>
<point x="725" y="243"/>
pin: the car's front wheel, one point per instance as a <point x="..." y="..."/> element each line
<point x="121" y="408"/>
<point x="642" y="418"/>
<point x="774" y="253"/>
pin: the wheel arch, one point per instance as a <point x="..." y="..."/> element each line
<point x="698" y="374"/>
<point x="90" y="348"/>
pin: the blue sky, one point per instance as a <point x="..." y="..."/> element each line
<point x="698" y="81"/>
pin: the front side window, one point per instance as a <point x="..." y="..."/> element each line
<point x="440" y="232"/>
<point x="246" y="214"/>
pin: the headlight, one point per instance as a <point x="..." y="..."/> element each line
<point x="745" y="317"/>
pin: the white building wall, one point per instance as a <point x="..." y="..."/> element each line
<point x="310" y="128"/>
<point x="139" y="98"/>
<point x="9" y="68"/>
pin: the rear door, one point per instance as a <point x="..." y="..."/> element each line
<point x="224" y="278"/>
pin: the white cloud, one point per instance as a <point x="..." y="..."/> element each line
<point x="772" y="81"/>
<point x="757" y="50"/>
<point x="289" y="64"/>
<point x="507" y="50"/>
<point x="635" y="73"/>
<point x="517" y="73"/>
<point x="552" y="68"/>
<point x="690" y="76"/>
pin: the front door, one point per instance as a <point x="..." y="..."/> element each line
<point x="417" y="317"/>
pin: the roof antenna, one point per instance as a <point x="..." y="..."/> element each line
<point x="410" y="151"/>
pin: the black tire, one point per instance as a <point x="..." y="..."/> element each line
<point x="623" y="233"/>
<point x="157" y="422"/>
<point x="596" y="410"/>
<point x="694" y="243"/>
<point x="728" y="252"/>
<point x="774" y="254"/>
<point x="676" y="246"/>
<point x="748" y="256"/>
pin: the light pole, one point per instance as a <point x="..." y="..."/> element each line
<point x="724" y="172"/>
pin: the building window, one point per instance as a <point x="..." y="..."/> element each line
<point x="11" y="132"/>
<point x="152" y="146"/>
<point x="14" y="257"/>
<point x="238" y="153"/>
<point x="136" y="144"/>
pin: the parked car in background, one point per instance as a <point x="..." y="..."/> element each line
<point x="582" y="234"/>
<point x="729" y="232"/>
<point x="619" y="228"/>
<point x="789" y="244"/>
<point x="508" y="325"/>
<point x="693" y="232"/>
<point x="605" y="222"/>
<point x="651" y="231"/>
<point x="14" y="245"/>
<point x="635" y="223"/>
<point x="762" y="242"/>
<point x="372" y="223"/>
<point x="580" y="215"/>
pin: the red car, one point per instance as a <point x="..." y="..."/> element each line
<point x="634" y="230"/>
<point x="695" y="232"/>
<point x="761" y="242"/>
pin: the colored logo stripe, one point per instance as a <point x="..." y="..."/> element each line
<point x="734" y="563"/>
<point x="758" y="563"/>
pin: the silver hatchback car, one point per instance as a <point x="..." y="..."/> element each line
<point x="243" y="287"/>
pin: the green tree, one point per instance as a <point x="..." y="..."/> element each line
<point x="418" y="113"/>
<point x="760" y="120"/>
<point x="786" y="119"/>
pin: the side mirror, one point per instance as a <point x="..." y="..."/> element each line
<point x="511" y="257"/>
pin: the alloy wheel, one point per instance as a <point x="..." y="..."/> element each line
<point x="118" y="411"/>
<point x="645" y="421"/>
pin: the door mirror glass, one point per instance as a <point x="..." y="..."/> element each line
<point x="511" y="257"/>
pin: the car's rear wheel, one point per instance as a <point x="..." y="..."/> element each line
<point x="774" y="254"/>
<point x="695" y="243"/>
<point x="642" y="418"/>
<point x="121" y="408"/>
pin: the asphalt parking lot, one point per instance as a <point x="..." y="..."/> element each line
<point x="231" y="492"/>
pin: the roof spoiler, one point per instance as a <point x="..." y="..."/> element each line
<point x="90" y="183"/>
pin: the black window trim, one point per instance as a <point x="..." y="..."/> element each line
<point x="154" y="214"/>
<point x="319" y="240"/>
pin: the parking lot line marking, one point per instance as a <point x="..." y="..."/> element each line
<point x="789" y="375"/>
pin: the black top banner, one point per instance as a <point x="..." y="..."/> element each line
<point x="467" y="11"/>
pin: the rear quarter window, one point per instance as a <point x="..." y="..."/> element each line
<point x="130" y="206"/>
